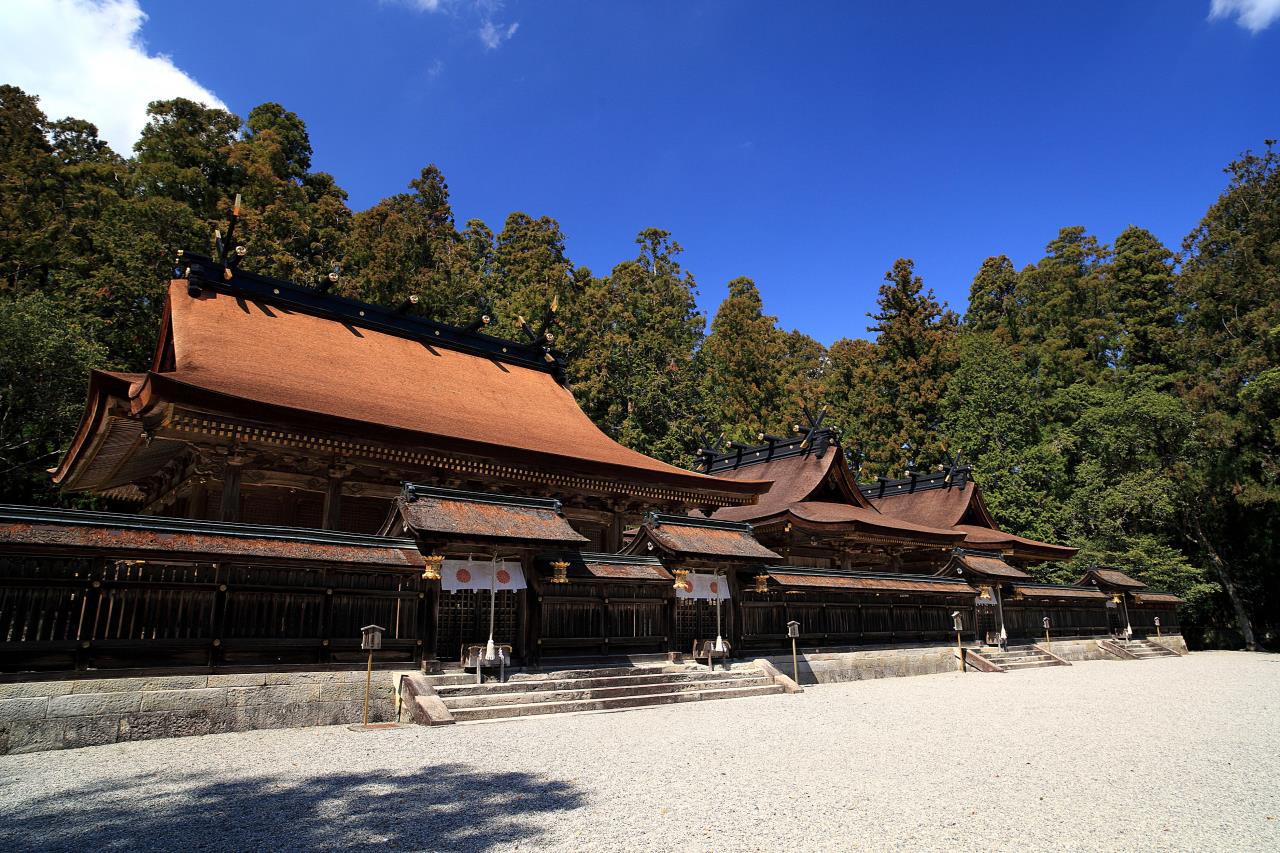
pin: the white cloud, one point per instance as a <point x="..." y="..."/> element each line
<point x="85" y="58"/>
<point x="492" y="32"/>
<point x="493" y="35"/>
<point x="435" y="69"/>
<point x="1253" y="15"/>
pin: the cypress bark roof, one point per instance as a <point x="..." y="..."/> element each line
<point x="685" y="536"/>
<point x="281" y="347"/>
<point x="455" y="516"/>
<point x="1110" y="579"/>
<point x="124" y="535"/>
<point x="818" y="492"/>
<point x="871" y="582"/>
<point x="1055" y="591"/>
<point x="991" y="567"/>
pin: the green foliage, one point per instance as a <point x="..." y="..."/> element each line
<point x="631" y="337"/>
<point x="742" y="364"/>
<point x="46" y="352"/>
<point x="915" y="354"/>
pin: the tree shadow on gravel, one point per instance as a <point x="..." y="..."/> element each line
<point x="445" y="807"/>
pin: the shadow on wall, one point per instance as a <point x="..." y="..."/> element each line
<point x="445" y="807"/>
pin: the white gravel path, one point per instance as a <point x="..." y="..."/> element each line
<point x="1165" y="754"/>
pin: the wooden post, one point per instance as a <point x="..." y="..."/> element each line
<point x="960" y="651"/>
<point x="368" y="683"/>
<point x="333" y="497"/>
<point x="231" y="476"/>
<point x="795" y="662"/>
<point x="197" y="499"/>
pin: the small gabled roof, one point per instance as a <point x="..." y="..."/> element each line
<point x="1048" y="590"/>
<point x="689" y="536"/>
<point x="1145" y="597"/>
<point x="790" y="576"/>
<point x="986" y="566"/>
<point x="1110" y="579"/>
<point x="450" y="516"/>
<point x="614" y="567"/>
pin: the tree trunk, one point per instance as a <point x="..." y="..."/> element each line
<point x="1224" y="575"/>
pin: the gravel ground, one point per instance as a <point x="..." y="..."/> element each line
<point x="1165" y="754"/>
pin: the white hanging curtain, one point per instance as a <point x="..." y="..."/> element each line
<point x="711" y="587"/>
<point x="481" y="575"/>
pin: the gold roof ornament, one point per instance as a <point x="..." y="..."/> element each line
<point x="431" y="567"/>
<point x="560" y="571"/>
<point x="682" y="580"/>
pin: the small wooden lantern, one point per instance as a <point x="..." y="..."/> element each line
<point x="682" y="580"/>
<point x="431" y="567"/>
<point x="371" y="637"/>
<point x="762" y="582"/>
<point x="560" y="571"/>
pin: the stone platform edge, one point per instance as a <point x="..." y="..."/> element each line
<point x="831" y="667"/>
<point x="36" y="716"/>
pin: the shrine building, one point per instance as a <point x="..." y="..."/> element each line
<point x="294" y="465"/>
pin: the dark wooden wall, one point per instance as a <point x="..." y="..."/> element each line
<point x="84" y="612"/>
<point x="830" y="617"/>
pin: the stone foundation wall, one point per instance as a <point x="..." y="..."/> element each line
<point x="830" y="667"/>
<point x="43" y="715"/>
<point x="1076" y="650"/>
<point x="1171" y="641"/>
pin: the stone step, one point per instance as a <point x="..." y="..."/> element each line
<point x="645" y="700"/>
<point x="1002" y="660"/>
<point x="594" y="672"/>
<point x="455" y="702"/>
<point x="1033" y="664"/>
<point x="579" y="683"/>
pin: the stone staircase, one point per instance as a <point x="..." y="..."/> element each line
<point x="1143" y="649"/>
<point x="1025" y="656"/>
<point x="603" y="689"/>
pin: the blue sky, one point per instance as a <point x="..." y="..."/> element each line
<point x="806" y="146"/>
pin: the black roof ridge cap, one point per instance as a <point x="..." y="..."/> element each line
<point x="851" y="573"/>
<point x="620" y="559"/>
<point x="1039" y="585"/>
<point x="660" y="518"/>
<point x="168" y="524"/>
<point x="413" y="491"/>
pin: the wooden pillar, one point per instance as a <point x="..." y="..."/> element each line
<point x="735" y="610"/>
<point x="332" y="519"/>
<point x="613" y="536"/>
<point x="533" y="626"/>
<point x="231" y="475"/>
<point x="197" y="499"/>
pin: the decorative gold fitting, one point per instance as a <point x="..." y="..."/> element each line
<point x="560" y="571"/>
<point x="984" y="593"/>
<point x="762" y="582"/>
<point x="682" y="580"/>
<point x="431" y="567"/>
